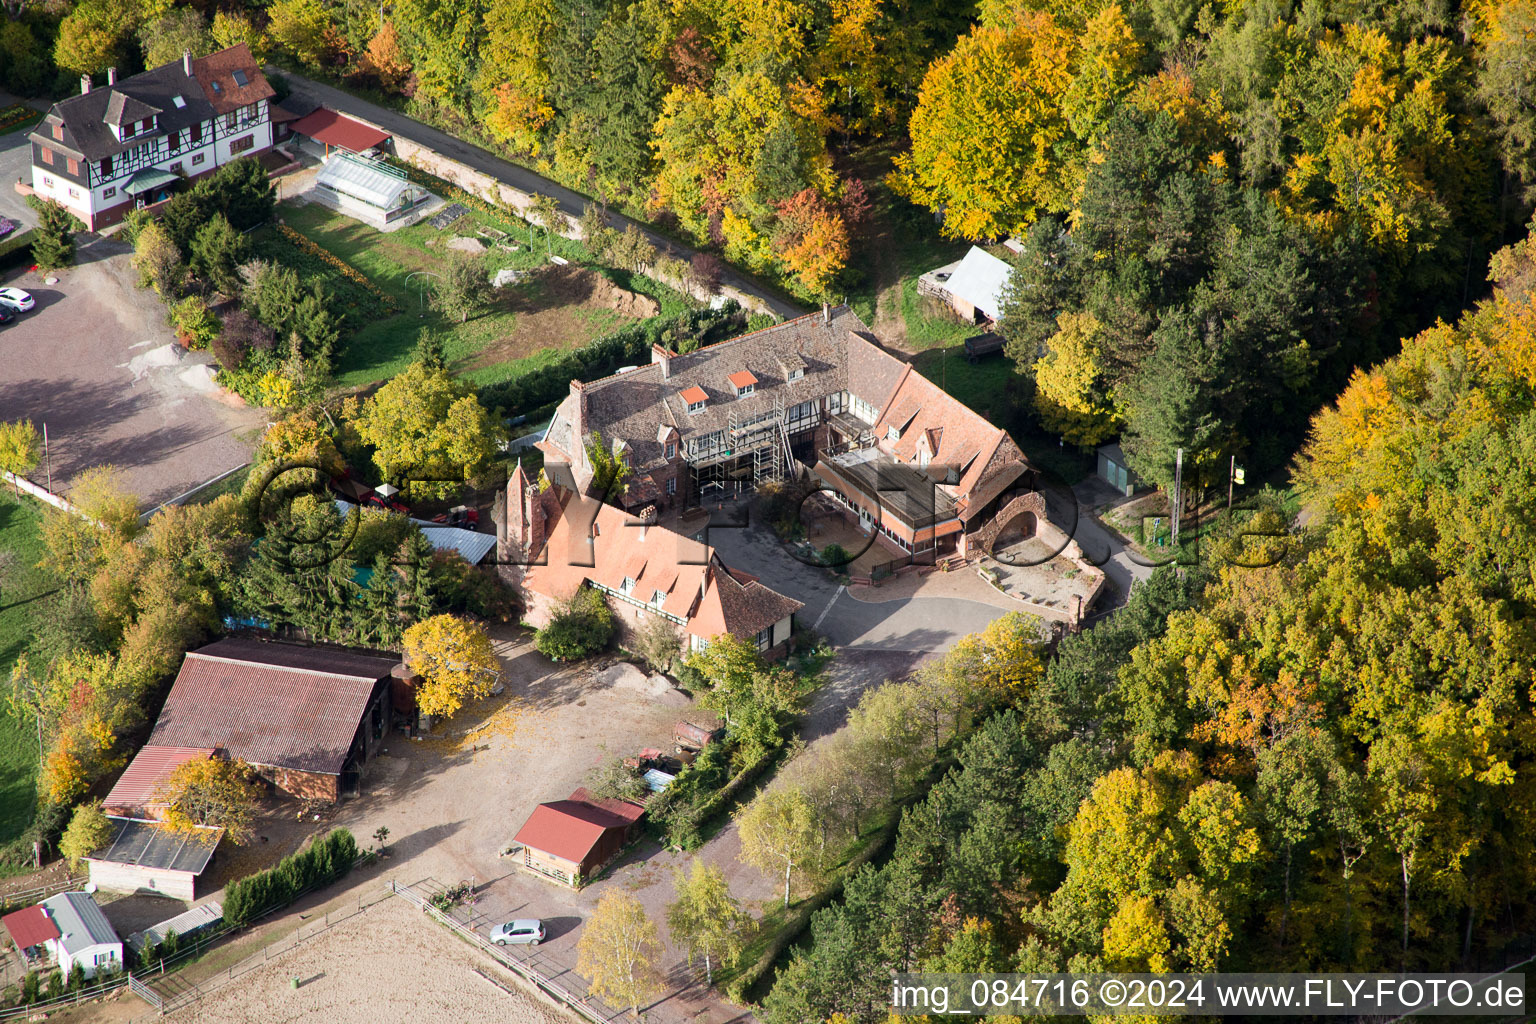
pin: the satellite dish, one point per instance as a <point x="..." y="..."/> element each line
<point x="90" y="888"/>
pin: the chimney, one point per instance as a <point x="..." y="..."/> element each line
<point x="111" y="76"/>
<point x="85" y="84"/>
<point x="186" y="62"/>
<point x="664" y="357"/>
<point x="826" y="312"/>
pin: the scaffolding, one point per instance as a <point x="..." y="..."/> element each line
<point x="759" y="441"/>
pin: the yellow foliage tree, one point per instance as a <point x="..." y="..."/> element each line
<point x="88" y="831"/>
<point x="386" y="57"/>
<point x="211" y="791"/>
<point x="1071" y="393"/>
<point x="618" y="950"/>
<point x="454" y="659"/>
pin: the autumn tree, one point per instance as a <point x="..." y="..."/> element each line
<point x="778" y="834"/>
<point x="386" y="58"/>
<point x="1070" y="388"/>
<point x="705" y="917"/>
<point x="211" y="792"/>
<point x="303" y="28"/>
<point x="20" y="450"/>
<point x="812" y="240"/>
<point x="232" y="28"/>
<point x="89" y="830"/>
<point x="454" y="659"/>
<point x="428" y="431"/>
<point x="177" y="31"/>
<point x="619" y="949"/>
<point x="158" y="261"/>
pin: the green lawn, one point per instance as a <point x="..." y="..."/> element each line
<point x="23" y="601"/>
<point x="528" y="325"/>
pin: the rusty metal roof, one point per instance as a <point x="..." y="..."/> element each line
<point x="137" y="786"/>
<point x="284" y="705"/>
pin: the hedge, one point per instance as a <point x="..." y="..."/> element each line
<point x="602" y="357"/>
<point x="321" y="863"/>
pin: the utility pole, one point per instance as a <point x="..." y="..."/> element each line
<point x="1178" y="491"/>
<point x="1231" y="477"/>
<point x="47" y="458"/>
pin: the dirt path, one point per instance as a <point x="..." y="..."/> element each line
<point x="889" y="326"/>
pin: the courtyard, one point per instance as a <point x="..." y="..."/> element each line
<point x="96" y="362"/>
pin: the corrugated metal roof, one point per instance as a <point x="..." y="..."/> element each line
<point x="193" y="920"/>
<point x="981" y="280"/>
<point x="29" y="927"/>
<point x="148" y="844"/>
<point x="137" y="786"/>
<point x="374" y="183"/>
<point x="471" y="545"/>
<point x="80" y="921"/>
<point x="270" y="703"/>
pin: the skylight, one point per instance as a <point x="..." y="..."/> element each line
<point x="240" y="79"/>
<point x="216" y="87"/>
<point x="178" y="101"/>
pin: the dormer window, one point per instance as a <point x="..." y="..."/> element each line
<point x="658" y="599"/>
<point x="744" y="383"/>
<point x="696" y="398"/>
<point x="628" y="586"/>
<point x="797" y="373"/>
<point x="671" y="450"/>
<point x="893" y="433"/>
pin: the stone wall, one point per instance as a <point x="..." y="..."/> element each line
<point x="304" y="785"/>
<point x="492" y="190"/>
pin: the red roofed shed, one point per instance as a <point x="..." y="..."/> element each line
<point x="30" y="927"/>
<point x="327" y="126"/>
<point x="572" y="839"/>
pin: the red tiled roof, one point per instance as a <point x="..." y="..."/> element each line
<point x="30" y="927"/>
<point x="693" y="395"/>
<point x="219" y="68"/>
<point x="137" y="786"/>
<point x="333" y="129"/>
<point x="283" y="705"/>
<point x="567" y="828"/>
<point x="741" y="379"/>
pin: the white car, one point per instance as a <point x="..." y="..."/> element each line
<point x="516" y="933"/>
<point x="16" y="299"/>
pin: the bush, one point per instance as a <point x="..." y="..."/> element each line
<point x="196" y="325"/>
<point x="834" y="556"/>
<point x="580" y="628"/>
<point x="30" y="987"/>
<point x="321" y="863"/>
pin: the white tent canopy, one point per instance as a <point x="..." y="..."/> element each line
<point x="369" y="181"/>
<point x="981" y="279"/>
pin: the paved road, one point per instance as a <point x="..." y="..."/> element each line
<point x="16" y="162"/>
<point x="1102" y="547"/>
<point x="571" y="202"/>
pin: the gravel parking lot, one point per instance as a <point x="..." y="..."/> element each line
<point x="95" y="361"/>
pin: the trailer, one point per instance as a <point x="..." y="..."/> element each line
<point x="696" y="734"/>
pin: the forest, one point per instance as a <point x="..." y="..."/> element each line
<point x="1310" y="753"/>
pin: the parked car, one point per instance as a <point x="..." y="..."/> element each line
<point x="16" y="300"/>
<point x="6" y="315"/>
<point x="522" y="932"/>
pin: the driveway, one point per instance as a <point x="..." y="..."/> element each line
<point x="1077" y="515"/>
<point x="571" y="202"/>
<point x="96" y="363"/>
<point x="16" y="165"/>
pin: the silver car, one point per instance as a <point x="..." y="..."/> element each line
<point x="526" y="931"/>
<point x="16" y="300"/>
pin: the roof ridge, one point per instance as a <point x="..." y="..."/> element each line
<point x="280" y="668"/>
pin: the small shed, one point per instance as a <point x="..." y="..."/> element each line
<point x="1114" y="470"/>
<point x="339" y="132"/>
<point x="86" y="937"/>
<point x="571" y="840"/>
<point x="147" y="857"/>
<point x="972" y="286"/>
<point x="185" y="925"/>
